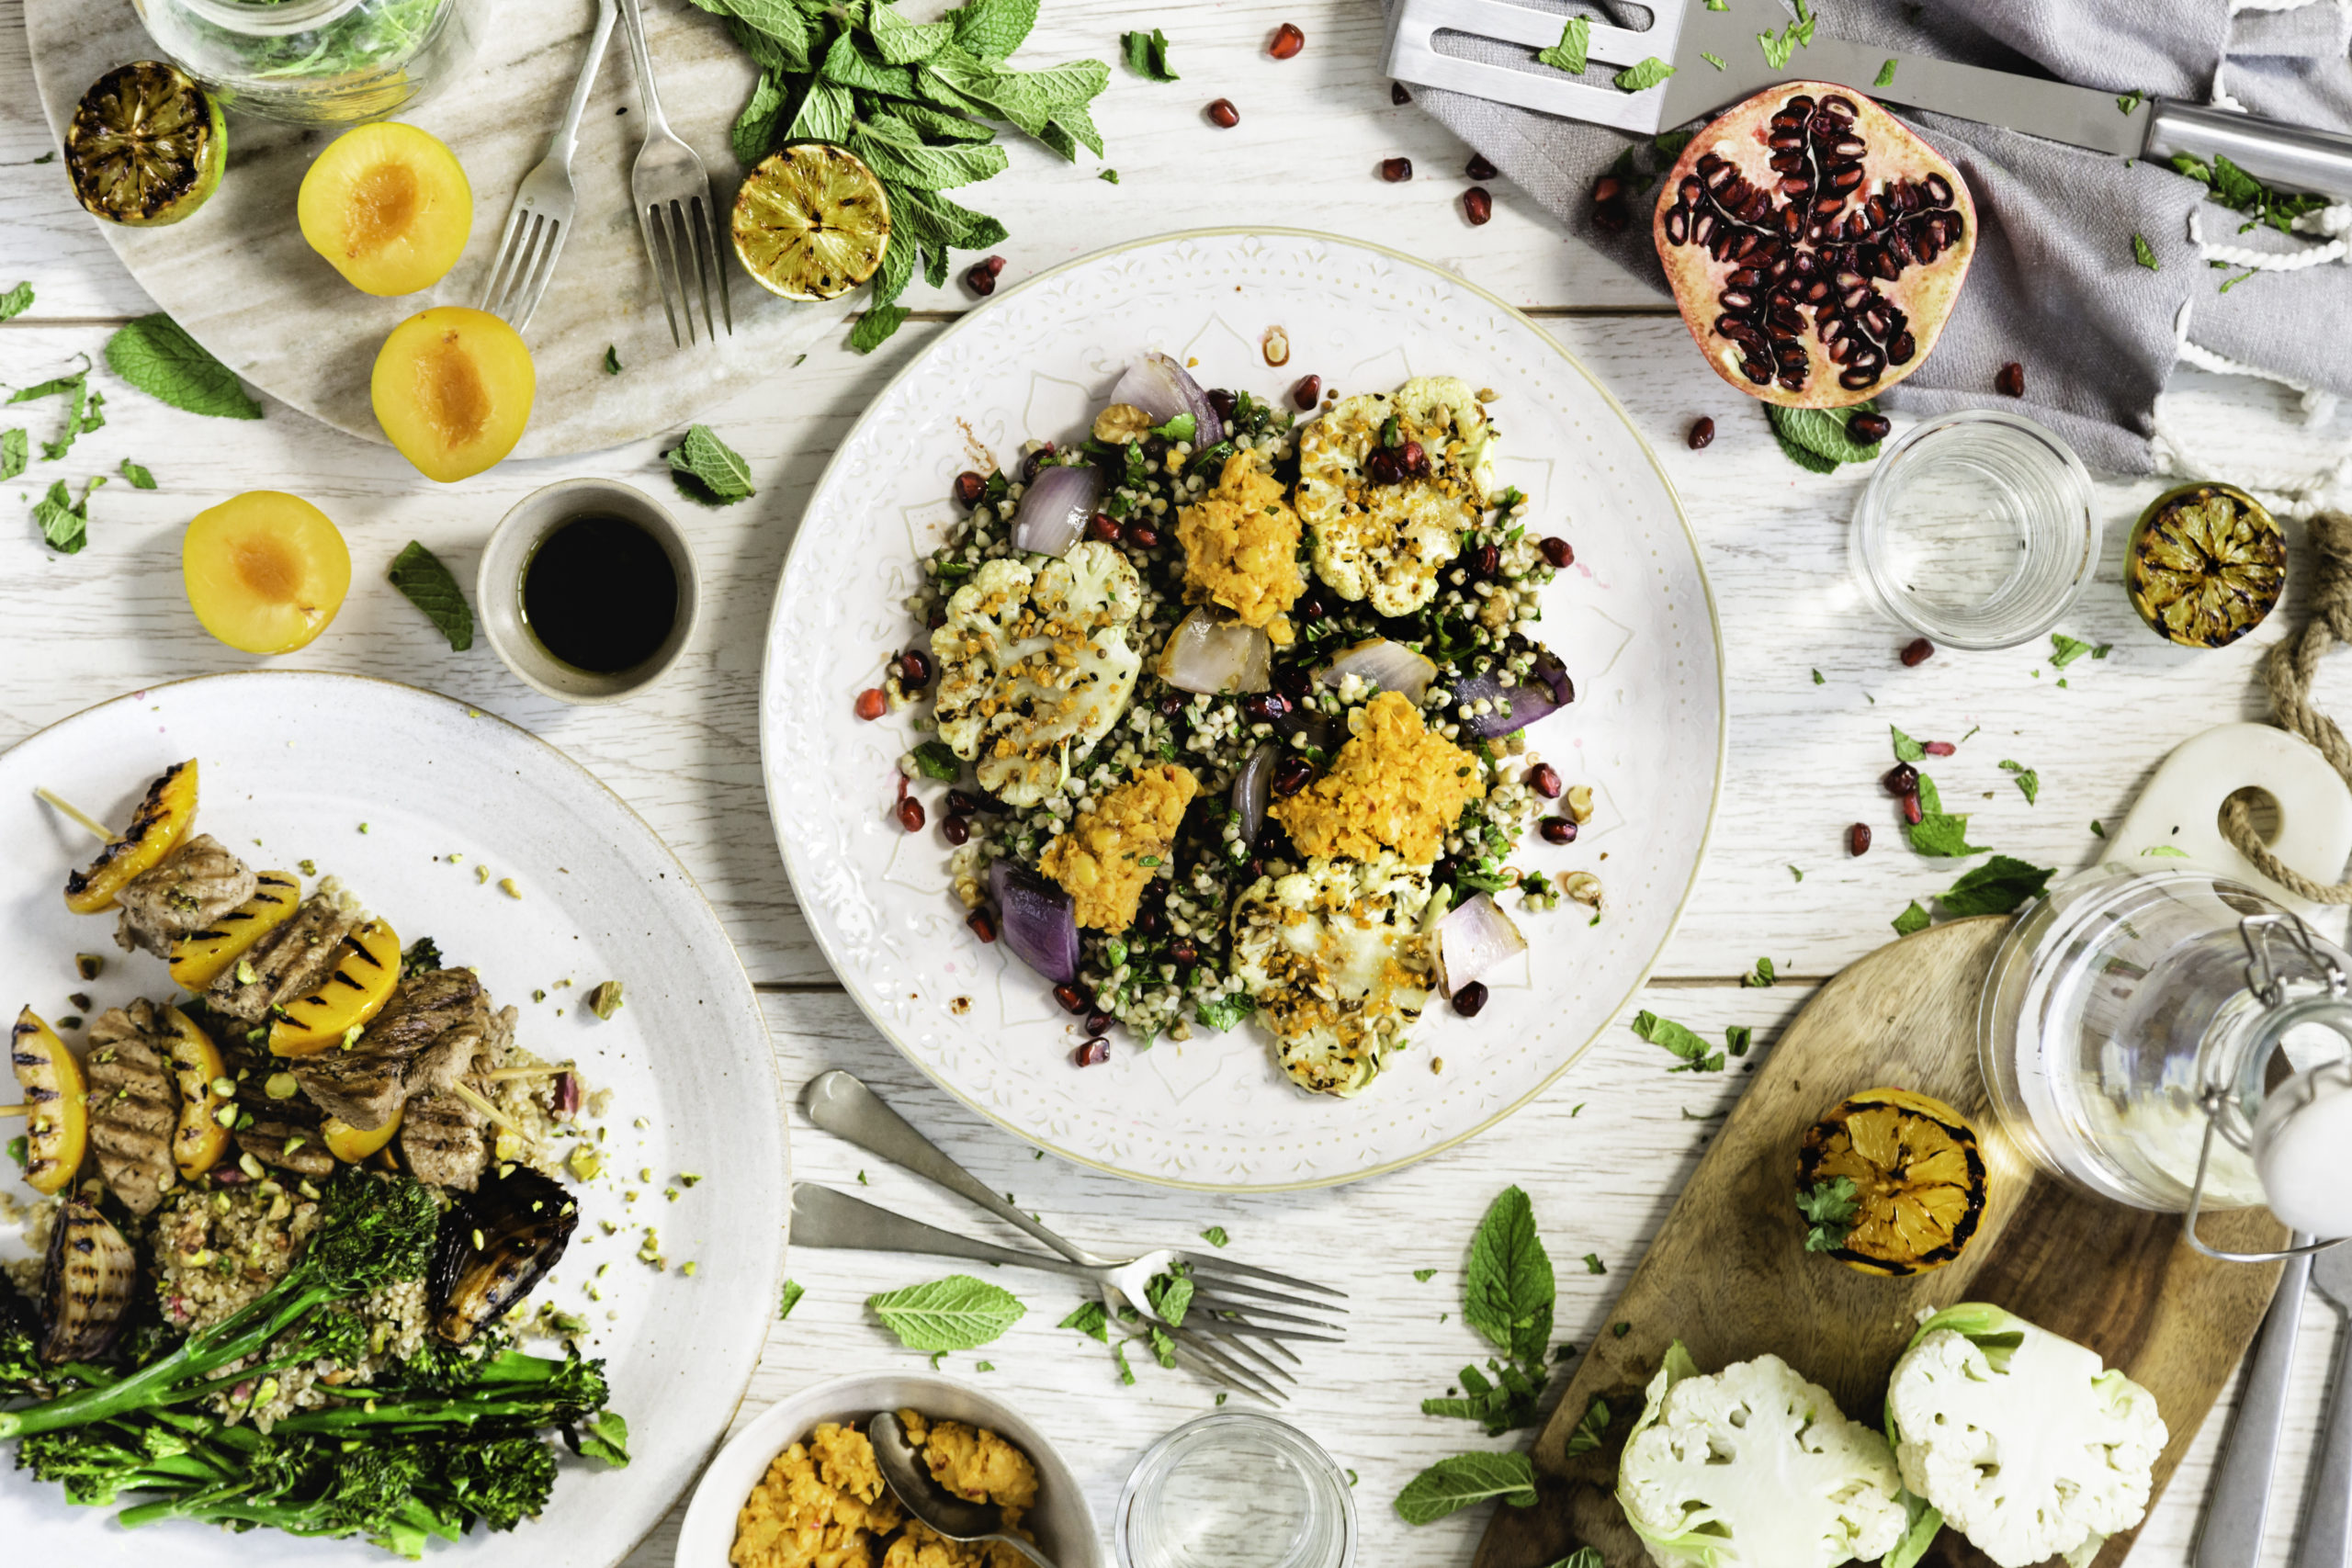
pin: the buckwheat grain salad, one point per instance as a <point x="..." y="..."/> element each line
<point x="1232" y="701"/>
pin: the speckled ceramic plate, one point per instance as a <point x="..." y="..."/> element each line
<point x="292" y="765"/>
<point x="1632" y="618"/>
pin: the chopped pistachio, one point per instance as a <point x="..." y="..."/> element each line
<point x="688" y="1178"/>
<point x="226" y="1116"/>
<point x="538" y="995"/>
<point x="481" y="874"/>
<point x="604" y="998"/>
<point x="250" y="1166"/>
<point x="71" y="1020"/>
<point x="89" y="966"/>
<point x="453" y="859"/>
<point x="671" y="1193"/>
<point x="687" y="1268"/>
<point x="351" y="1036"/>
<point x="363" y="826"/>
<point x="584" y="1162"/>
<point x="81" y="1001"/>
<point x="296" y="1142"/>
<point x="309" y="867"/>
<point x="282" y="1086"/>
<point x="506" y="886"/>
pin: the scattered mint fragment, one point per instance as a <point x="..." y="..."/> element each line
<point x="139" y="477"/>
<point x="1590" y="1556"/>
<point x="2230" y="283"/>
<point x="1715" y="60"/>
<point x="937" y="759"/>
<point x="1109" y="176"/>
<point x="2165" y="851"/>
<point x="1593" y="1265"/>
<point x="1822" y="432"/>
<point x="1424" y="1275"/>
<point x="1996" y="887"/>
<point x="1778" y="47"/>
<point x="15" y="451"/>
<point x="990" y="1366"/>
<point x="1817" y="680"/>
<point x="418" y="573"/>
<point x="2064" y="649"/>
<point x="1737" y="1037"/>
<point x="793" y="1291"/>
<point x="1621" y="1329"/>
<point x="1147" y="55"/>
<point x="1831" y="1207"/>
<point x="2027" y="780"/>
<point x="156" y="355"/>
<point x="1915" y="919"/>
<point x="1452" y="1484"/>
<point x="1936" y="834"/>
<point x="612" y="360"/>
<point x="1215" y="1236"/>
<point x="1906" y="748"/>
<point x="16" y="302"/>
<point x="1224" y="1012"/>
<point x="2128" y="102"/>
<point x="1643" y="76"/>
<point x="878" y="322"/>
<point x="65" y="522"/>
<point x="1761" y="976"/>
<point x="1570" y="54"/>
<point x="1127" y="1372"/>
<point x="1170" y="1296"/>
<point x="1885" y="76"/>
<point x="1697" y="1057"/>
<point x="1718" y="5"/>
<point x="707" y="470"/>
<point x="1797" y="872"/>
<point x="958" y="1313"/>
<point x="1090" y="1318"/>
<point x="2236" y="189"/>
<point x="1594" y="1422"/>
<point x="2098" y="829"/>
<point x="2144" y="255"/>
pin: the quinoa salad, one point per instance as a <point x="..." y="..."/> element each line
<point x="287" y="1219"/>
<point x="1232" y="702"/>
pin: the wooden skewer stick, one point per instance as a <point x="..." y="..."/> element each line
<point x="551" y="1070"/>
<point x="491" y="1114"/>
<point x="8" y="1110"/>
<point x="106" y="835"/>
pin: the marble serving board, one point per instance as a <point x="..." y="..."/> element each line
<point x="239" y="276"/>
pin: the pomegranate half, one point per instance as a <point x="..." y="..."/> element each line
<point x="1815" y="246"/>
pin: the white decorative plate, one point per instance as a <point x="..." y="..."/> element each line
<point x="292" y="764"/>
<point x="1632" y="618"/>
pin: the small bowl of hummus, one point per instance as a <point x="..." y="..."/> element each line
<point x="798" y="1487"/>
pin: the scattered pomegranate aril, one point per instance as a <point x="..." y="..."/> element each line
<point x="1557" y="831"/>
<point x="1105" y="529"/>
<point x="979" y="279"/>
<point x="1142" y="536"/>
<point x="968" y="488"/>
<point x="911" y="815"/>
<point x="1382" y="465"/>
<point x="1858" y="839"/>
<point x="963" y="805"/>
<point x="1917" y="652"/>
<point x="1611" y="211"/>
<point x="1288" y="41"/>
<point x="1035" y="461"/>
<point x="1480" y="169"/>
<point x="1815" y="244"/>
<point x="873" y="703"/>
<point x="1558" y="551"/>
<point x="1477" y="206"/>
<point x="2011" y="382"/>
<point x="1416" y="460"/>
<point x="1222" y="115"/>
<point x="955" y="829"/>
<point x="1073" y="999"/>
<point x="1223" y="402"/>
<point x="1185" y="952"/>
<point x="1702" y="432"/>
<point x="1545" y="780"/>
<point x="1901" y="779"/>
<point x="1098" y="1023"/>
<point x="1291" y="776"/>
<point x="1307" y="393"/>
<point x="1911" y="810"/>
<point x="1938" y="748"/>
<point x="1396" y="170"/>
<point x="1869" y="429"/>
<point x="1092" y="1052"/>
<point x="914" y="669"/>
<point x="1397" y="94"/>
<point x="1469" y="998"/>
<point x="1264" y="707"/>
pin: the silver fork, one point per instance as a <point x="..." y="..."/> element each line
<point x="540" y="219"/>
<point x="674" y="210"/>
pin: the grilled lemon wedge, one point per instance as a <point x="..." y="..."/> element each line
<point x="1892" y="1182"/>
<point x="811" y="222"/>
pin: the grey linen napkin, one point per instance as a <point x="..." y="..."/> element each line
<point x="2055" y="284"/>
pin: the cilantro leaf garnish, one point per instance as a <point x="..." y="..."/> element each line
<point x="1832" y="1206"/>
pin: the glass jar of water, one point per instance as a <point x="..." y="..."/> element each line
<point x="317" y="61"/>
<point x="1236" y="1490"/>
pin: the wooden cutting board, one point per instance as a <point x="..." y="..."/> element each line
<point x="1729" y="1277"/>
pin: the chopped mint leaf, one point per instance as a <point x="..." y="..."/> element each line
<point x="1761" y="976"/>
<point x="139" y="477"/>
<point x="1906" y="748"/>
<point x="2165" y="851"/>
<point x="1620" y="1329"/>
<point x="2142" y="252"/>
<point x="2064" y="649"/>
<point x="1575" y="46"/>
<point x="1817" y="680"/>
<point x="1594" y="1422"/>
<point x="2027" y="780"/>
<point x="1180" y="427"/>
<point x="2098" y="829"/>
<point x="1643" y="76"/>
<point x="1715" y="60"/>
<point x="1885" y="76"/>
<point x="1915" y="919"/>
<point x="1832" y="1207"/>
<point x="1090" y="1319"/>
<point x="1424" y="1275"/>
<point x="1223" y="1013"/>
<point x="2128" y="102"/>
<point x="1797" y="872"/>
<point x="418" y="573"/>
<point x="16" y="302"/>
<point x="1215" y="1236"/>
<point x="1778" y="47"/>
<point x="612" y="360"/>
<point x="1593" y="1265"/>
<point x="793" y="1291"/>
<point x="1147" y="55"/>
<point x="1696" y="1054"/>
<point x="707" y="470"/>
<point x="937" y="759"/>
<point x="15" y="451"/>
<point x="64" y="523"/>
<point x="1109" y="176"/>
<point x="1738" y="1037"/>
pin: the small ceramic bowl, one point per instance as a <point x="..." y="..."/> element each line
<point x="1062" y="1522"/>
<point x="498" y="588"/>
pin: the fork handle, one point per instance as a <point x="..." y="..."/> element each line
<point x="2327" y="1532"/>
<point x="633" y="24"/>
<point x="824" y="1218"/>
<point x="2235" y="1517"/>
<point x="843" y="1106"/>
<point x="566" y="140"/>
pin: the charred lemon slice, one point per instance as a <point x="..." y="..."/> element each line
<point x="354" y="991"/>
<point x="202" y="1136"/>
<point x="201" y="957"/>
<point x="2206" y="562"/>
<point x="59" y="1128"/>
<point x="811" y="222"/>
<point x="146" y="145"/>
<point x="156" y="829"/>
<point x="1891" y="1181"/>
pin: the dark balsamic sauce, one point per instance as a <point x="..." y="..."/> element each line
<point x="600" y="593"/>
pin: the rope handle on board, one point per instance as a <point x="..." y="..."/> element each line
<point x="2290" y="671"/>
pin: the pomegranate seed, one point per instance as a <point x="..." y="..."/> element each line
<point x="1938" y="748"/>
<point x="1291" y="776"/>
<point x="1092" y="1052"/>
<point x="873" y="703"/>
<point x="1901" y="779"/>
<point x="979" y="279"/>
<point x="1264" y="707"/>
<point x="1142" y="536"/>
<point x="914" y="669"/>
<point x="1917" y="652"/>
<point x="1222" y="115"/>
<point x="1606" y="188"/>
<point x="1858" y="839"/>
<point x="1185" y="952"/>
<point x="1073" y="999"/>
<point x="1034" y="462"/>
<point x="1702" y="432"/>
<point x="911" y="815"/>
<point x="1106" y="529"/>
<point x="1396" y="171"/>
<point x="1558" y="551"/>
<point x="1911" y="812"/>
<point x="1545" y="780"/>
<point x="1477" y="206"/>
<point x="1397" y="94"/>
<point x="1307" y="393"/>
<point x="1416" y="460"/>
<point x="1288" y="41"/>
<point x="983" y="924"/>
<point x="995" y="264"/>
<point x="969" y="487"/>
<point x="1480" y="169"/>
<point x="1223" y="402"/>
<point x="1489" y="562"/>
<point x="962" y="805"/>
<point x="2011" y="380"/>
<point x="1469" y="998"/>
<point x="1869" y="428"/>
<point x="1557" y="831"/>
<point x="955" y="829"/>
<point x="1098" y="1023"/>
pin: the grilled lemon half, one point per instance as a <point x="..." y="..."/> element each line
<point x="1892" y="1182"/>
<point x="811" y="222"/>
<point x="2206" y="562"/>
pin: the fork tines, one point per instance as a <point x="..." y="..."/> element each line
<point x="526" y="261"/>
<point x="680" y="240"/>
<point x="1213" y="1360"/>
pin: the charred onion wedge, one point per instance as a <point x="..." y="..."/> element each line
<point x="365" y="973"/>
<point x="59" y="1129"/>
<point x="86" y="1285"/>
<point x="201" y="957"/>
<point x="156" y="831"/>
<point x="198" y="1072"/>
<point x="1892" y="1182"/>
<point x="497" y="1243"/>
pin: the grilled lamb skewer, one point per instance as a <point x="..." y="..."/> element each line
<point x="290" y="961"/>
<point x="444" y="1139"/>
<point x="134" y="1106"/>
<point x="198" y="883"/>
<point x="427" y="1034"/>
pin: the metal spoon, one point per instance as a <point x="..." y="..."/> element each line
<point x="931" y="1503"/>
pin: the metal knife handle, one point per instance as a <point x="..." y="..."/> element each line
<point x="2292" y="157"/>
<point x="842" y="1104"/>
<point x="823" y="1217"/>
<point x="2327" y="1533"/>
<point x="2232" y="1537"/>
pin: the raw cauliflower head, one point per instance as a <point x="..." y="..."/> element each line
<point x="1754" y="1467"/>
<point x="1387" y="543"/>
<point x="1336" y="960"/>
<point x="1035" y="667"/>
<point x="2020" y="1439"/>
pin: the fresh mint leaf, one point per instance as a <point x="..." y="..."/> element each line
<point x="16" y="302"/>
<point x="418" y="573"/>
<point x="1697" y="1056"/>
<point x="1938" y="833"/>
<point x="1818" y="679"/>
<point x="1170" y="1296"/>
<point x="937" y="759"/>
<point x="958" y="1313"/>
<point x="1643" y="76"/>
<point x="1424" y="1275"/>
<point x="156" y="355"/>
<point x="1215" y="1236"/>
<point x="1831" y="1207"/>
<point x="1761" y="976"/>
<point x="1821" y="432"/>
<point x="2145" y="256"/>
<point x="1670" y="145"/>
<point x="1163" y="1349"/>
<point x="1885" y="76"/>
<point x="1778" y="47"/>
<point x="1906" y="748"/>
<point x="1147" y="55"/>
<point x="1573" y="49"/>
<point x="1452" y="1484"/>
<point x="876" y="326"/>
<point x="1508" y="1290"/>
<point x="1716" y="60"/>
<point x="1996" y="887"/>
<point x="1224" y="1013"/>
<point x="992" y="30"/>
<point x="1090" y="1319"/>
<point x="2064" y="649"/>
<point x="139" y="477"/>
<point x="1109" y="176"/>
<point x="15" y="451"/>
<point x="63" y="524"/>
<point x="707" y="470"/>
<point x="902" y="42"/>
<point x="2165" y="851"/>
<point x="898" y="154"/>
<point x="1593" y="1424"/>
<point x="2128" y="102"/>
<point x="793" y="1291"/>
<point x="1593" y="1265"/>
<point x="752" y="138"/>
<point x="1737" y="1037"/>
<point x="1914" y="918"/>
<point x="2027" y="780"/>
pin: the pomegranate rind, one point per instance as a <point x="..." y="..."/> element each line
<point x="1851" y="241"/>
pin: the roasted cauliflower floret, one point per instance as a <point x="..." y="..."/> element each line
<point x="1754" y="1467"/>
<point x="1387" y="542"/>
<point x="1393" y="786"/>
<point x="1240" y="545"/>
<point x="1336" y="960"/>
<point x="1034" y="667"/>
<point x="1118" y="845"/>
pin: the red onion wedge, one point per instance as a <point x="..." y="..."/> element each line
<point x="1253" y="786"/>
<point x="1055" y="508"/>
<point x="1473" y="939"/>
<point x="1039" y="920"/>
<point x="1163" y="389"/>
<point x="1514" y="706"/>
<point x="1206" y="654"/>
<point x="1382" y="665"/>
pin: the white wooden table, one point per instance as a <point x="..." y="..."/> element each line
<point x="1604" y="1154"/>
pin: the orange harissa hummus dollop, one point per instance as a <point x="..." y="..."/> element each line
<point x="1394" y="785"/>
<point x="1241" y="545"/>
<point x="1118" y="845"/>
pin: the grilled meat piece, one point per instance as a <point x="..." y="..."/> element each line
<point x="446" y="1142"/>
<point x="134" y="1105"/>
<point x="290" y="1134"/>
<point x="198" y="883"/>
<point x="428" y="1034"/>
<point x="289" y="964"/>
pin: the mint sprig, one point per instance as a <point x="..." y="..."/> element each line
<point x="958" y="1313"/>
<point x="708" y="470"/>
<point x="156" y="355"/>
<point x="1452" y="1485"/>
<point x="426" y="583"/>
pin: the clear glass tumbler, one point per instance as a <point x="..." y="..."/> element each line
<point x="1977" y="530"/>
<point x="1236" y="1490"/>
<point x="317" y="61"/>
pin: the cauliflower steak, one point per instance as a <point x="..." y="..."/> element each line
<point x="1338" y="963"/>
<point x="1386" y="538"/>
